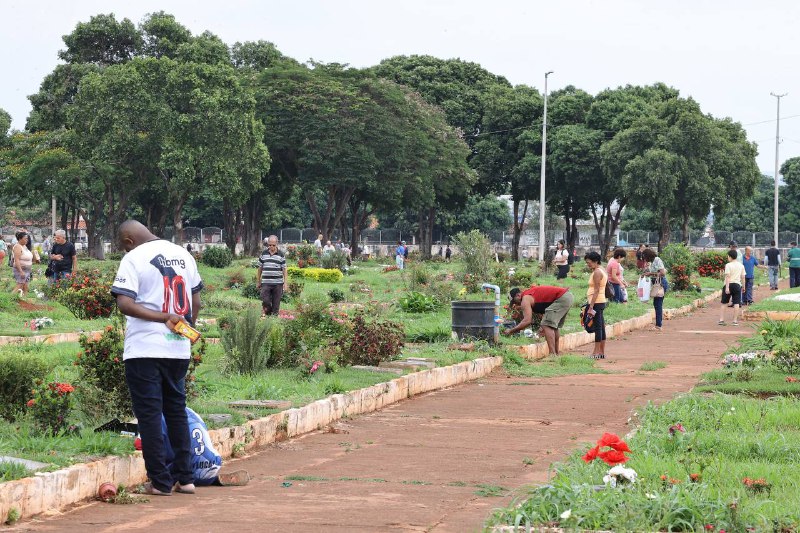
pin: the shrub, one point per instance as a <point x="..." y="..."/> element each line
<point x="521" y="279"/>
<point x="442" y="291"/>
<point x="17" y="373"/>
<point x="336" y="259"/>
<point x="417" y="275"/>
<point x="336" y="295"/>
<point x="679" y="277"/>
<point x="710" y="264"/>
<point x="325" y="275"/>
<point x="370" y="342"/>
<point x="87" y="294"/>
<point x="306" y="252"/>
<point x="217" y="256"/>
<point x="235" y="278"/>
<point x="291" y="252"/>
<point x="472" y="283"/>
<point x="417" y="302"/>
<point x="294" y="289"/>
<point x="787" y="355"/>
<point x="198" y="354"/>
<point x="476" y="251"/>
<point x="100" y="364"/>
<point x="50" y="406"/>
<point x="111" y="256"/>
<point x="243" y="341"/>
<point x="251" y="290"/>
<point x="678" y="254"/>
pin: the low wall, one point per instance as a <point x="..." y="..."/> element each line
<point x="53" y="491"/>
<point x="52" y="338"/>
<point x="581" y="338"/>
<point x="756" y="316"/>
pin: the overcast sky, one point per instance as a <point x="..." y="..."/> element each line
<point x="727" y="54"/>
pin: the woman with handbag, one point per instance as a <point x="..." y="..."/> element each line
<point x="655" y="270"/>
<point x="561" y="259"/>
<point x="596" y="297"/>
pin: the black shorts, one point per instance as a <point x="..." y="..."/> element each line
<point x="736" y="294"/>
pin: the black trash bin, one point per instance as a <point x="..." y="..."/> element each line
<point x="474" y="320"/>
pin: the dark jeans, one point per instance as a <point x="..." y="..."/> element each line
<point x="794" y="277"/>
<point x="599" y="323"/>
<point x="748" y="290"/>
<point x="618" y="292"/>
<point x="658" y="305"/>
<point x="271" y="294"/>
<point x="157" y="388"/>
<point x="563" y="270"/>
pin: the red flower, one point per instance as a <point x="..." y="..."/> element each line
<point x="611" y="457"/>
<point x="675" y="428"/>
<point x="613" y="441"/>
<point x="31" y="403"/>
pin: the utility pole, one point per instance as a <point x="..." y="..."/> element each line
<point x="777" y="145"/>
<point x="541" y="179"/>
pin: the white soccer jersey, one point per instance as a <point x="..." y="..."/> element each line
<point x="160" y="276"/>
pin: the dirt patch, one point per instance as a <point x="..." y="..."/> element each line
<point x="28" y="306"/>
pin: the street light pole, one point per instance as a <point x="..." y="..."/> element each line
<point x="541" y="179"/>
<point x="777" y="144"/>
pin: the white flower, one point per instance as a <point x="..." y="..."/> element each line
<point x="566" y="514"/>
<point x="620" y="474"/>
<point x="650" y="496"/>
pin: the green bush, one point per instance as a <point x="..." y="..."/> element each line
<point x="678" y="254"/>
<point x="217" y="256"/>
<point x="711" y="263"/>
<point x="335" y="259"/>
<point x="249" y="342"/>
<point x="336" y="295"/>
<point x="17" y="374"/>
<point x="101" y="366"/>
<point x="417" y="275"/>
<point x="417" y="302"/>
<point x="476" y="250"/>
<point x="111" y="256"/>
<point x="251" y="290"/>
<point x="370" y="342"/>
<point x="325" y="275"/>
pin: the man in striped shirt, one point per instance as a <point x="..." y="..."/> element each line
<point x="272" y="277"/>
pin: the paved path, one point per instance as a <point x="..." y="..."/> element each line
<point x="416" y="465"/>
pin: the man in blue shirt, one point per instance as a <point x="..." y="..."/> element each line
<point x="400" y="255"/>
<point x="750" y="263"/>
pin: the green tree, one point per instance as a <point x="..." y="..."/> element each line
<point x="5" y="127"/>
<point x="755" y="213"/>
<point x="102" y="41"/>
<point x="486" y="214"/>
<point x="789" y="201"/>
<point x="162" y="35"/>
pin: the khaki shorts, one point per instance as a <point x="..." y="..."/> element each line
<point x="556" y="312"/>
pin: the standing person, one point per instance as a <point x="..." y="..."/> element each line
<point x="63" y="257"/>
<point x="22" y="260"/>
<point x="272" y="277"/>
<point x="405" y="252"/>
<point x="614" y="271"/>
<point x="318" y="244"/>
<point x="732" y="290"/>
<point x="441" y="251"/>
<point x="158" y="287"/>
<point x="596" y="296"/>
<point x="772" y="260"/>
<point x="735" y="248"/>
<point x="640" y="262"/>
<point x="400" y="255"/>
<point x="655" y="270"/>
<point x="554" y="302"/>
<point x="750" y="263"/>
<point x="561" y="259"/>
<point x="447" y="253"/>
<point x="794" y="265"/>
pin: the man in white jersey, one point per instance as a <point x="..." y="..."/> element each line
<point x="156" y="286"/>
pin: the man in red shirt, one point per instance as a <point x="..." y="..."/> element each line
<point x="554" y="302"/>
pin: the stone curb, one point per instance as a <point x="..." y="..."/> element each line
<point x="52" y="338"/>
<point x="581" y="338"/>
<point x="54" y="491"/>
<point x="771" y="315"/>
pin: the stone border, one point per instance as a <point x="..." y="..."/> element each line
<point x="771" y="315"/>
<point x="52" y="338"/>
<point x="581" y="338"/>
<point x="54" y="491"/>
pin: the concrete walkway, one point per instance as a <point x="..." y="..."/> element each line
<point x="432" y="463"/>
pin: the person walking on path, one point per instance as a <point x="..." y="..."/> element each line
<point x="750" y="263"/>
<point x="596" y="297"/>
<point x="157" y="288"/>
<point x="732" y="290"/>
<point x="655" y="270"/>
<point x="63" y="257"/>
<point x="400" y="255"/>
<point x="794" y="265"/>
<point x="614" y="271"/>
<point x="735" y="248"/>
<point x="447" y="254"/>
<point x="561" y="259"/>
<point x="272" y="277"/>
<point x="772" y="260"/>
<point x="554" y="302"/>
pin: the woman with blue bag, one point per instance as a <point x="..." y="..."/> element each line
<point x="655" y="270"/>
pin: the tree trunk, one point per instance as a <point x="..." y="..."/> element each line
<point x="231" y="218"/>
<point x="427" y="218"/>
<point x="664" y="234"/>
<point x="517" y="228"/>
<point x="177" y="219"/>
<point x="685" y="228"/>
<point x="252" y="212"/>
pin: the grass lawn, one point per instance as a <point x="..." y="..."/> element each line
<point x="771" y="304"/>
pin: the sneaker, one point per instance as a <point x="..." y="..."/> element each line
<point x="149" y="489"/>
<point x="721" y="323"/>
<point x="734" y="323"/>
<point x="234" y="479"/>
<point x="184" y="489"/>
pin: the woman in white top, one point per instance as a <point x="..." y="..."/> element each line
<point x="561" y="260"/>
<point x="732" y="290"/>
<point x="23" y="263"/>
